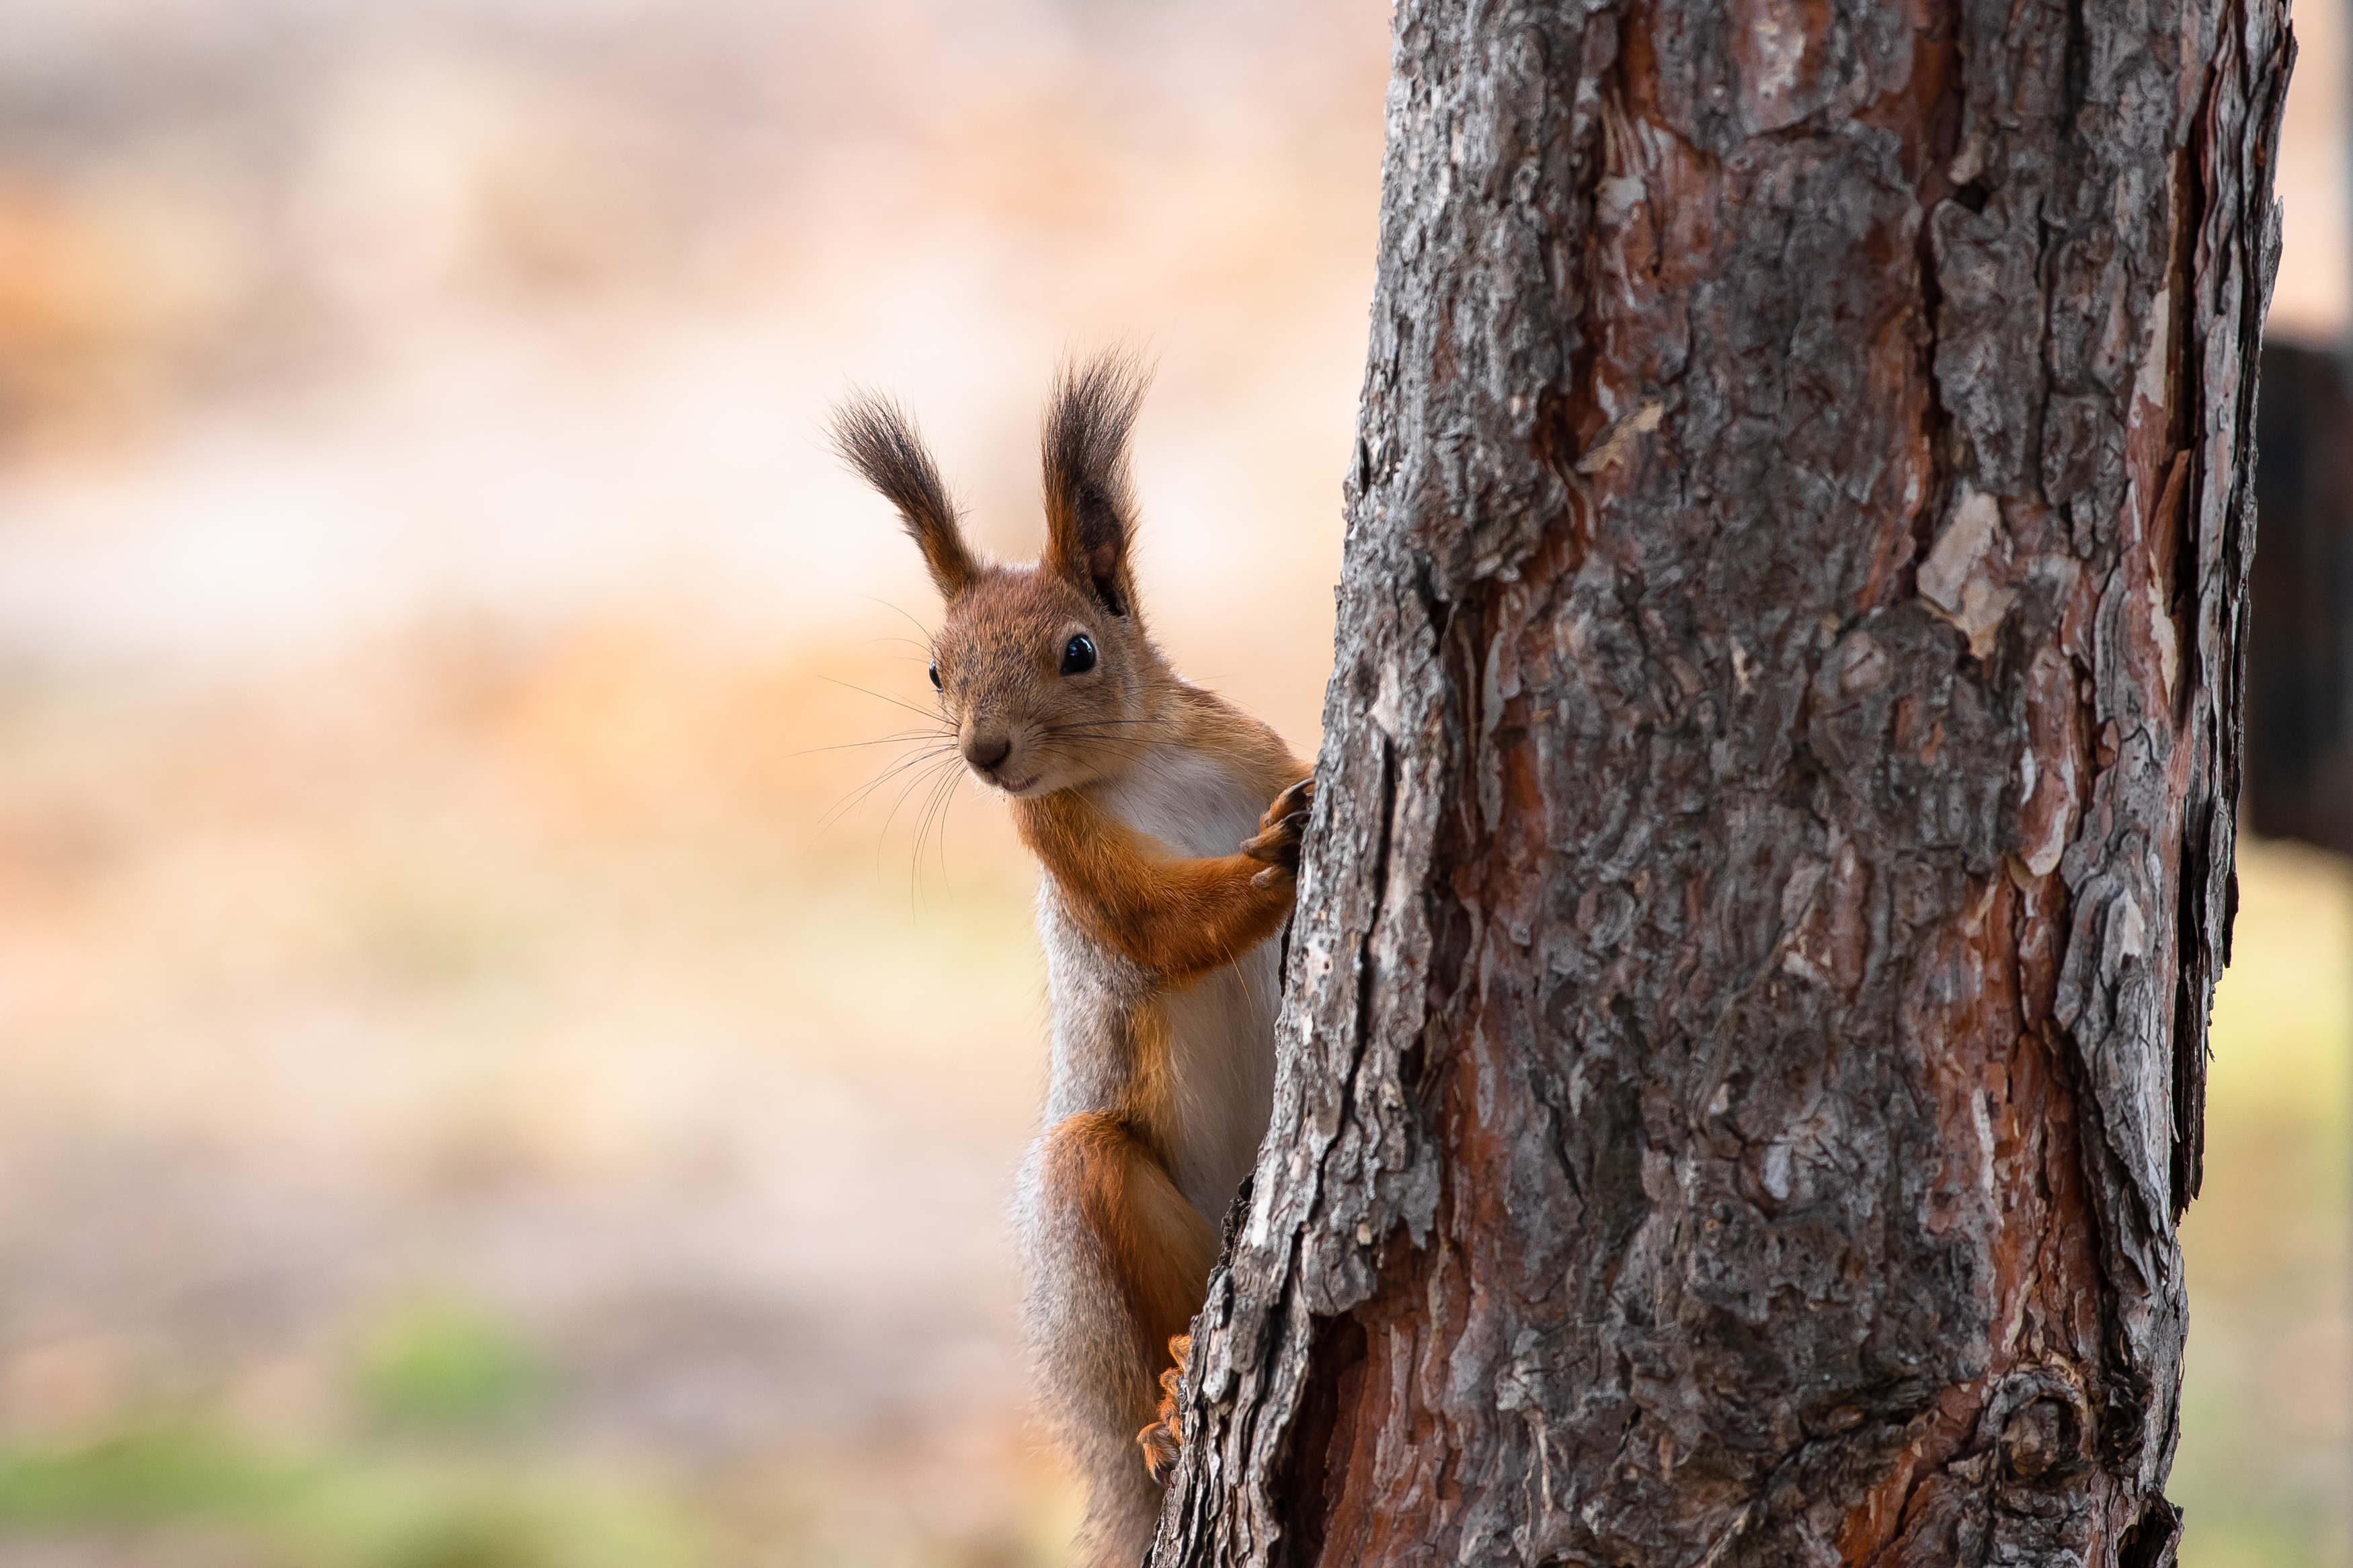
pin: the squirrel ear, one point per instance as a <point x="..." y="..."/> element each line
<point x="1089" y="515"/>
<point x="873" y="436"/>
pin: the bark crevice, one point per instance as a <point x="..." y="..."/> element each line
<point x="1772" y="848"/>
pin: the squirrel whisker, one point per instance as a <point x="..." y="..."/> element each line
<point x="849" y="803"/>
<point x="926" y="714"/>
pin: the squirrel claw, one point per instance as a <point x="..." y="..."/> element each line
<point x="1280" y="830"/>
<point x="1164" y="1437"/>
<point x="1160" y="1445"/>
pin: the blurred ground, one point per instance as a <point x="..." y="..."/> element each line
<point x="480" y="1088"/>
<point x="406" y="1072"/>
<point x="2265" y="1470"/>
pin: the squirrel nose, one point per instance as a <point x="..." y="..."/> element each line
<point x="986" y="751"/>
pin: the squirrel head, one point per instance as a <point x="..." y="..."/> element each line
<point x="1045" y="672"/>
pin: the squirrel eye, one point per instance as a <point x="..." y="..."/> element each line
<point x="1078" y="656"/>
<point x="935" y="675"/>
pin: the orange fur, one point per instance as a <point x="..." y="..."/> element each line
<point x="1160" y="1249"/>
<point x="1178" y="918"/>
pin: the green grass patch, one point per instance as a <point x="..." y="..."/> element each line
<point x="444" y="1364"/>
<point x="360" y="1507"/>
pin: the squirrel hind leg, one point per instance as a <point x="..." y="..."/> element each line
<point x="1118" y="1262"/>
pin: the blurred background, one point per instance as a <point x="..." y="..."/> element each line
<point x="503" y="1063"/>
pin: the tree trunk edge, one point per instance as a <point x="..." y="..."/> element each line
<point x="1353" y="1177"/>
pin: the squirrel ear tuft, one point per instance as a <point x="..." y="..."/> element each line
<point x="874" y="436"/>
<point x="1089" y="513"/>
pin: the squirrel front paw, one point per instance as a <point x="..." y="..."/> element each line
<point x="1162" y="1439"/>
<point x="1279" y="832"/>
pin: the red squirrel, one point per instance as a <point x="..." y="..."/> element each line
<point x="1162" y="886"/>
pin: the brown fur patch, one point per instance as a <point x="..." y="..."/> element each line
<point x="1178" y="918"/>
<point x="1158" y="1248"/>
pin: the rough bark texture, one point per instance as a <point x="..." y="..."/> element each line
<point x="1744" y="1054"/>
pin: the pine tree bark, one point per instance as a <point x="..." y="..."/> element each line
<point x="1743" y="1052"/>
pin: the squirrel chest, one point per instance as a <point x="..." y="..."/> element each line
<point x="1194" y="1073"/>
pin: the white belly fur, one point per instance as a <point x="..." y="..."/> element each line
<point x="1221" y="1028"/>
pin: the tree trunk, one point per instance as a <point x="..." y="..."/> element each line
<point x="1742" y="1060"/>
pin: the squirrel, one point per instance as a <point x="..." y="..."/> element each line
<point x="1163" y="886"/>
